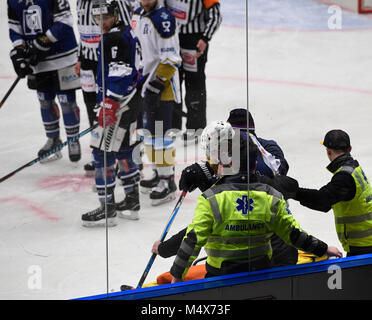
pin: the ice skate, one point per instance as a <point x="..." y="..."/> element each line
<point x="50" y="145"/>
<point x="74" y="151"/>
<point x="130" y="206"/>
<point x="147" y="185"/>
<point x="89" y="170"/>
<point x="164" y="191"/>
<point x="97" y="217"/>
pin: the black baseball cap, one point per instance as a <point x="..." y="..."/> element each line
<point x="238" y="119"/>
<point x="337" y="140"/>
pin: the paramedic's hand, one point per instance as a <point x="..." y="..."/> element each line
<point x="111" y="107"/>
<point x="175" y="280"/>
<point x="287" y="186"/>
<point x="155" y="247"/>
<point x="334" y="252"/>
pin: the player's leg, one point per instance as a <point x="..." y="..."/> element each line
<point x="105" y="191"/>
<point x="129" y="174"/>
<point x="50" y="117"/>
<point x="71" y="119"/>
<point x="164" y="155"/>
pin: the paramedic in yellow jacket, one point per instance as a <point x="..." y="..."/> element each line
<point x="348" y="193"/>
<point x="234" y="225"/>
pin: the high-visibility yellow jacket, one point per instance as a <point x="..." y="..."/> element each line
<point x="233" y="223"/>
<point x="353" y="218"/>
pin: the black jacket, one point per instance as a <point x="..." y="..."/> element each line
<point x="341" y="187"/>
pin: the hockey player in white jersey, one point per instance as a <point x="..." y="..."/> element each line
<point x="156" y="29"/>
<point x="45" y="50"/>
<point x="115" y="137"/>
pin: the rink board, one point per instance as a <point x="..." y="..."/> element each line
<point x="346" y="278"/>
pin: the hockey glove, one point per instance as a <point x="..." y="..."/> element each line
<point x="20" y="64"/>
<point x="111" y="108"/>
<point x="198" y="175"/>
<point x="152" y="95"/>
<point x="39" y="49"/>
<point x="287" y="186"/>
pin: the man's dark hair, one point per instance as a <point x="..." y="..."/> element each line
<point x="247" y="150"/>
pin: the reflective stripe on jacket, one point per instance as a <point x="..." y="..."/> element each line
<point x="353" y="218"/>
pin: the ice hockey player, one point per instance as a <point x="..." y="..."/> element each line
<point x="156" y="30"/>
<point x="86" y="67"/>
<point x="45" y="50"/>
<point x="117" y="118"/>
<point x="235" y="228"/>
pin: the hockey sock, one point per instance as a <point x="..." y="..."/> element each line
<point x="70" y="112"/>
<point x="49" y="114"/>
<point x="102" y="173"/>
<point x="129" y="174"/>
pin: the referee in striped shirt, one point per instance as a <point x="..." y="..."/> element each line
<point x="198" y="22"/>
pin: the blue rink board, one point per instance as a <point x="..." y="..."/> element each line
<point x="234" y="279"/>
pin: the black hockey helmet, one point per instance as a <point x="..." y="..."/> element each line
<point x="105" y="7"/>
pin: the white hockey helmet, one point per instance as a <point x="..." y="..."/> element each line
<point x="216" y="140"/>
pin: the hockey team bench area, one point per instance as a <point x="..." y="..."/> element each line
<point x="345" y="278"/>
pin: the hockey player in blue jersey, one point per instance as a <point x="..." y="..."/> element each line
<point x="86" y="67"/>
<point x="45" y="50"/>
<point x="116" y="117"/>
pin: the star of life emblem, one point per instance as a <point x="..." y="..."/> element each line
<point x="244" y="205"/>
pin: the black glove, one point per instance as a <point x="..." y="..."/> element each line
<point x="287" y="186"/>
<point x="152" y="94"/>
<point x="20" y="64"/>
<point x="198" y="175"/>
<point x="39" y="49"/>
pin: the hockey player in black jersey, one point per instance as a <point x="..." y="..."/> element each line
<point x="45" y="50"/>
<point x="116" y="117"/>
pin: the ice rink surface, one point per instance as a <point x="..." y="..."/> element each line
<point x="303" y="80"/>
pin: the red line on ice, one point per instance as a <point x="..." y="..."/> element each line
<point x="30" y="206"/>
<point x="66" y="182"/>
<point x="313" y="85"/>
<point x="294" y="83"/>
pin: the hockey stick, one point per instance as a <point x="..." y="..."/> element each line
<point x="163" y="235"/>
<point x="67" y="142"/>
<point x="9" y="91"/>
<point x="58" y="148"/>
